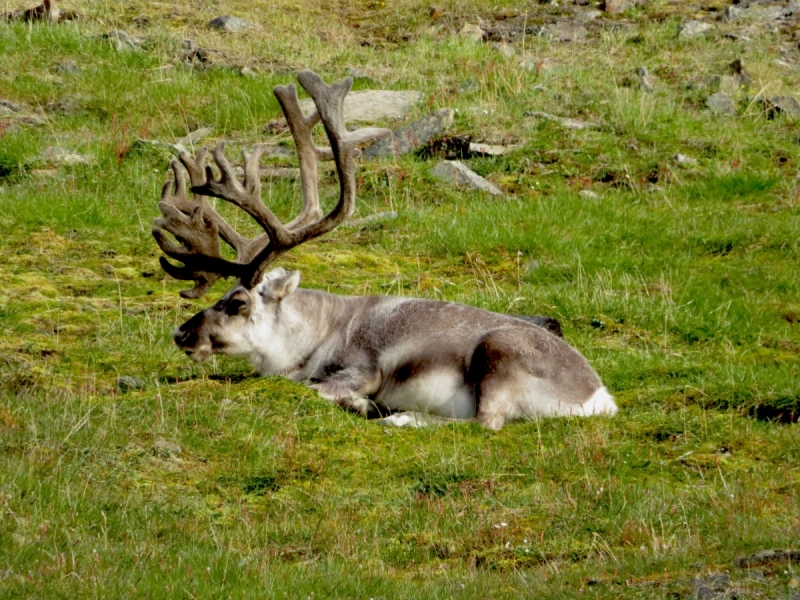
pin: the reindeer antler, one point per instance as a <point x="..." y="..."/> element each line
<point x="197" y="228"/>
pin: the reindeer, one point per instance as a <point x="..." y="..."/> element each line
<point x="397" y="355"/>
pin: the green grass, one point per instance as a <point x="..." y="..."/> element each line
<point x="679" y="283"/>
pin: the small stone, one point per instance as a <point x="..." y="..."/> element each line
<point x="227" y="403"/>
<point x="645" y="79"/>
<point x="787" y="105"/>
<point x="614" y="7"/>
<point x="68" y="67"/>
<point x="196" y="136"/>
<point x="122" y="40"/>
<point x="357" y="74"/>
<point x="505" y="49"/>
<point x="694" y="29"/>
<point x="230" y="24"/>
<point x="472" y="32"/>
<point x="6" y="106"/>
<point x="491" y="149"/>
<point x="563" y="121"/>
<point x="127" y="383"/>
<point x="711" y="587"/>
<point x="454" y="172"/>
<point x="55" y="154"/>
<point x="373" y="105"/>
<point x="247" y="72"/>
<point x="589" y="195"/>
<point x="684" y="160"/>
<point x="413" y="136"/>
<point x="721" y="104"/>
<point x="567" y="31"/>
<point x="145" y="145"/>
<point x="166" y="449"/>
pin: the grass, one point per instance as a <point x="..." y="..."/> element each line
<point x="678" y="282"/>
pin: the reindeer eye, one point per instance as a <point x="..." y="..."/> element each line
<point x="235" y="306"/>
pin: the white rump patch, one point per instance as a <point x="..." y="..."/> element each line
<point x="600" y="403"/>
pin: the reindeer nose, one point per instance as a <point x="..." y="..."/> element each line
<point x="184" y="337"/>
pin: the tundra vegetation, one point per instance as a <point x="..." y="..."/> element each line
<point x="128" y="471"/>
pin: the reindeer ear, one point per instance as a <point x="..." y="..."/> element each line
<point x="277" y="288"/>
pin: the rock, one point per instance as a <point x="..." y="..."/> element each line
<point x="540" y="66"/>
<point x="787" y="105"/>
<point x="357" y="74"/>
<point x="247" y="72"/>
<point x="230" y="24"/>
<point x="454" y="172"/>
<point x="567" y="31"/>
<point x="6" y="106"/>
<point x="56" y="154"/>
<point x="645" y="79"/>
<point x="477" y="149"/>
<point x="68" y="67"/>
<point x="765" y="557"/>
<point x="758" y="13"/>
<point x="589" y="195"/>
<point x="614" y="7"/>
<point x="373" y="105"/>
<point x="166" y="449"/>
<point x="122" y="40"/>
<point x="694" y="29"/>
<point x="126" y="383"/>
<point x="411" y="137"/>
<point x="563" y="121"/>
<point x="150" y="145"/>
<point x="472" y="32"/>
<point x="684" y="160"/>
<point x="711" y="587"/>
<point x="196" y="136"/>
<point x="504" y="49"/>
<point x="721" y="104"/>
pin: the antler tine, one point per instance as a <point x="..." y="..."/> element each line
<point x="247" y="196"/>
<point x="195" y="226"/>
<point x="329" y="101"/>
<point x="198" y="228"/>
<point x="308" y="153"/>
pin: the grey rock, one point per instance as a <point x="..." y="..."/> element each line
<point x="373" y="105"/>
<point x="757" y="13"/>
<point x="684" y="160"/>
<point x="247" y="72"/>
<point x="472" y="32"/>
<point x="730" y="84"/>
<point x="504" y="49"/>
<point x="645" y="79"/>
<point x="127" y="383"/>
<point x="166" y="449"/>
<point x="589" y="195"/>
<point x="411" y="137"/>
<point x="454" y="172"/>
<point x="787" y="105"/>
<point x="64" y="156"/>
<point x="563" y="121"/>
<point x="567" y="31"/>
<point x="479" y="149"/>
<point x="122" y="40"/>
<point x="614" y="7"/>
<point x="196" y="136"/>
<point x="764" y="557"/>
<point x="68" y="67"/>
<point x="694" y="29"/>
<point x="230" y="24"/>
<point x="712" y="587"/>
<point x="6" y="106"/>
<point x="357" y="74"/>
<point x="721" y="104"/>
<point x="145" y="145"/>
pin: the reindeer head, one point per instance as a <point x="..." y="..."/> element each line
<point x="228" y="326"/>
